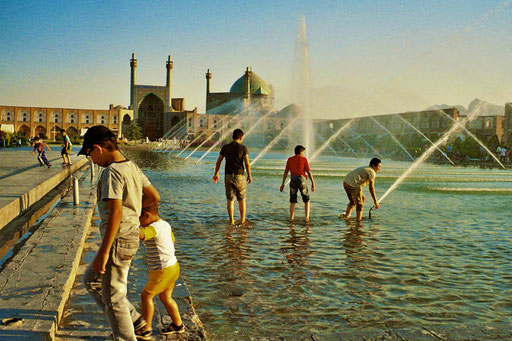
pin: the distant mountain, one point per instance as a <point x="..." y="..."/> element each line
<point x="462" y="109"/>
<point x="481" y="108"/>
<point x="484" y="108"/>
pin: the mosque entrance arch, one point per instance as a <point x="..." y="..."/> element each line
<point x="151" y="117"/>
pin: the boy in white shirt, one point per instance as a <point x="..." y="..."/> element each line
<point x="163" y="271"/>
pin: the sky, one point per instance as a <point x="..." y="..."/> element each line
<point x="366" y="57"/>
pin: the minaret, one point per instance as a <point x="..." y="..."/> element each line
<point x="247" y="83"/>
<point x="169" y="80"/>
<point x="208" y="77"/>
<point x="133" y="65"/>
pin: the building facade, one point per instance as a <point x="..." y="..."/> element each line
<point x="48" y="122"/>
<point x="153" y="106"/>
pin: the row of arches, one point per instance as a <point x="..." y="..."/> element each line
<point x="41" y="131"/>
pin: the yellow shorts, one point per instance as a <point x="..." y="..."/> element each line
<point x="161" y="280"/>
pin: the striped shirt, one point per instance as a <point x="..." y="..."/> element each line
<point x="159" y="241"/>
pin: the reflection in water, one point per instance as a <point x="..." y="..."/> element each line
<point x="296" y="250"/>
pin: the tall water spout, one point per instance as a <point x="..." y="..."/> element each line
<point x="301" y="83"/>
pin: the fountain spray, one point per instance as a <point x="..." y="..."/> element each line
<point x="301" y="83"/>
<point x="426" y="138"/>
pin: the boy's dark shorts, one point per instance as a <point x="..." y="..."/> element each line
<point x="355" y="196"/>
<point x="65" y="150"/>
<point x="298" y="183"/>
<point x="236" y="185"/>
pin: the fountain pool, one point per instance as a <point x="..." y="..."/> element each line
<point x="437" y="252"/>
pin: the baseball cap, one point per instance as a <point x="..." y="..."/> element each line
<point x="96" y="135"/>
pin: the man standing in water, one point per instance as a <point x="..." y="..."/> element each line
<point x="354" y="183"/>
<point x="236" y="155"/>
<point x="298" y="166"/>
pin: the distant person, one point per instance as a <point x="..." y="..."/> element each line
<point x="123" y="190"/>
<point x="39" y="145"/>
<point x="503" y="153"/>
<point x="354" y="183"/>
<point x="236" y="155"/>
<point x="298" y="167"/>
<point x="66" y="148"/>
<point x="164" y="270"/>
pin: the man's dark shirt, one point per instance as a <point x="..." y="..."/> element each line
<point x="234" y="153"/>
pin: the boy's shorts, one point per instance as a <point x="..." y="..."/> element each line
<point x="298" y="183"/>
<point x="355" y="196"/>
<point x="236" y="185"/>
<point x="161" y="280"/>
<point x="65" y="150"/>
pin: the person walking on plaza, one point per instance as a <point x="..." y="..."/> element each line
<point x="354" y="183"/>
<point x="236" y="155"/>
<point x="123" y="190"/>
<point x="163" y="271"/>
<point x="39" y="145"/>
<point x="298" y="167"/>
<point x="66" y="148"/>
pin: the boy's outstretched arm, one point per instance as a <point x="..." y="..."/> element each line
<point x="115" y="208"/>
<point x="150" y="196"/>
<point x="312" y="181"/>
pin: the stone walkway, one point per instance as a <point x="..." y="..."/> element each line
<point x="23" y="182"/>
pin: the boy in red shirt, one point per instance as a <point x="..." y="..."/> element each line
<point x="298" y="167"/>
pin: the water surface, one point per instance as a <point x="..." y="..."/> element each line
<point x="437" y="253"/>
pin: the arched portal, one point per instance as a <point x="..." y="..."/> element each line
<point x="151" y="117"/>
<point x="24" y="130"/>
<point x="40" y="131"/>
<point x="125" y="124"/>
<point x="72" y="133"/>
<point x="55" y="132"/>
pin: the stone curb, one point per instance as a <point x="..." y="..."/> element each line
<point x="35" y="284"/>
<point x="19" y="192"/>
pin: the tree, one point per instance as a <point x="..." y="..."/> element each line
<point x="133" y="132"/>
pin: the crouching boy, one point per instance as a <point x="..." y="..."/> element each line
<point x="163" y="271"/>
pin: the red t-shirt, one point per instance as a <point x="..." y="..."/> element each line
<point x="297" y="165"/>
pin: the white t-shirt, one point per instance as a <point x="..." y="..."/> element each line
<point x="122" y="180"/>
<point x="360" y="177"/>
<point x="159" y="243"/>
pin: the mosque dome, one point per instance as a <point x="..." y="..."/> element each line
<point x="258" y="85"/>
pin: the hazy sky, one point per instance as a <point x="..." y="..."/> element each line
<point x="366" y="56"/>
